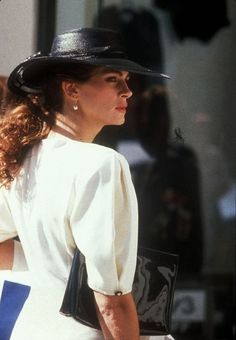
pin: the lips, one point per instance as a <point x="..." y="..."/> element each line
<point x="121" y="108"/>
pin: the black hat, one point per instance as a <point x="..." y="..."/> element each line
<point x="91" y="46"/>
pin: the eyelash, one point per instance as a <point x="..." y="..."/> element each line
<point x="115" y="79"/>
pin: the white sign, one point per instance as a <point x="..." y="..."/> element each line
<point x="189" y="305"/>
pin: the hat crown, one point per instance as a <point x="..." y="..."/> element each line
<point x="86" y="41"/>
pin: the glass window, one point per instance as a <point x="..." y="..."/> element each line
<point x="180" y="141"/>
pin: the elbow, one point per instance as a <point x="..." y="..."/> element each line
<point x="108" y="305"/>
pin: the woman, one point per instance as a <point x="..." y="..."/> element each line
<point x="59" y="191"/>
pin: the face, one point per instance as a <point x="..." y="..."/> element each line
<point x="102" y="100"/>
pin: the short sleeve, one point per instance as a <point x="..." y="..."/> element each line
<point x="7" y="227"/>
<point x="104" y="224"/>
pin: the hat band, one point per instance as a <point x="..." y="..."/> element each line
<point x="96" y="52"/>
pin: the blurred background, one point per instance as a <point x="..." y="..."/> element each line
<point x="179" y="137"/>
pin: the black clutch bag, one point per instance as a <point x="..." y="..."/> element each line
<point x="153" y="292"/>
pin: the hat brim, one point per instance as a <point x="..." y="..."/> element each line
<point x="26" y="76"/>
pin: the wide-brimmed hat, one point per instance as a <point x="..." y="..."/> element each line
<point x="91" y="46"/>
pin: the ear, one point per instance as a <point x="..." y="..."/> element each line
<point x="70" y="89"/>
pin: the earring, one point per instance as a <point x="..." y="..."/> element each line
<point x="75" y="106"/>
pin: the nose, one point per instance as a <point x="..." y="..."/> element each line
<point x="125" y="91"/>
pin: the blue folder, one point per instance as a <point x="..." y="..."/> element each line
<point x="12" y="300"/>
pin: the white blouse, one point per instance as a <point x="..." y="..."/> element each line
<point x="72" y="194"/>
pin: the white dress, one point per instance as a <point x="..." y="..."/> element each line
<point x="70" y="194"/>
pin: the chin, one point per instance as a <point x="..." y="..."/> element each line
<point x="121" y="123"/>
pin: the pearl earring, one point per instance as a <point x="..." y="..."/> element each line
<point x="75" y="106"/>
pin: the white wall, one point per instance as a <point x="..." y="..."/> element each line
<point x="17" y="32"/>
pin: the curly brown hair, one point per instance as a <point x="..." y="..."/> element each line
<point x="28" y="119"/>
<point x="24" y="123"/>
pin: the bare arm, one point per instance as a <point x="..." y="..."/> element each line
<point x="117" y="316"/>
<point x="6" y="254"/>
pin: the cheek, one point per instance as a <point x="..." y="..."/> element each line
<point x="104" y="99"/>
<point x="87" y="100"/>
<point x="100" y="99"/>
<point x="91" y="96"/>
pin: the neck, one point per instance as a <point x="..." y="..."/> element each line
<point x="74" y="129"/>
